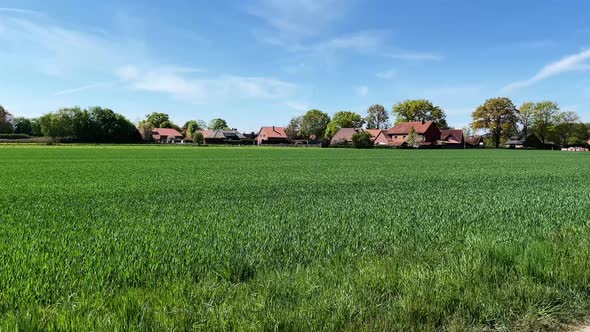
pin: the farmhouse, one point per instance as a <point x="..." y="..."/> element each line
<point x="531" y="141"/>
<point x="452" y="138"/>
<point x="166" y="135"/>
<point x="221" y="136"/>
<point x="271" y="135"/>
<point x="344" y="135"/>
<point x="427" y="132"/>
<point x="474" y="141"/>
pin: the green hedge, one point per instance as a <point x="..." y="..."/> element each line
<point x="14" y="136"/>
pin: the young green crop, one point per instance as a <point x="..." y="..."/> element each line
<point x="184" y="238"/>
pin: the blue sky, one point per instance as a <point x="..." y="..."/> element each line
<point x="261" y="62"/>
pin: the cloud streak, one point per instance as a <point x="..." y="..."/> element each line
<point x="83" y="88"/>
<point x="569" y="63"/>
<point x="179" y="85"/>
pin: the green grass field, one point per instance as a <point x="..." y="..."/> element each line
<point x="184" y="238"/>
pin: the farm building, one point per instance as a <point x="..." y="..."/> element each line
<point x="271" y="135"/>
<point x="452" y="138"/>
<point x="529" y="142"/>
<point x="474" y="141"/>
<point x="381" y="138"/>
<point x="166" y="135"/>
<point x="221" y="136"/>
<point x="344" y="135"/>
<point x="427" y="132"/>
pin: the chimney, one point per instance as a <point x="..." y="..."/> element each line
<point x="422" y="120"/>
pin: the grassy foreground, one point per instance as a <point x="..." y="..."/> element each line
<point x="162" y="238"/>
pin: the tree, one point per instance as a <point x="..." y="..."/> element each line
<point x="314" y="124"/>
<point x="145" y="130"/>
<point x="498" y="116"/>
<point x="36" y="128"/>
<point x="362" y="140"/>
<point x="377" y="117"/>
<point x="197" y="137"/>
<point x="414" y="140"/>
<point x="565" y="124"/>
<point x="23" y="126"/>
<point x="419" y="110"/>
<point x="544" y="118"/>
<point x="5" y="121"/>
<point x="343" y="119"/>
<point x="157" y="119"/>
<point x="191" y="126"/>
<point x="293" y="129"/>
<point x="525" y="117"/>
<point x="216" y="124"/>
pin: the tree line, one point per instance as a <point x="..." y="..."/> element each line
<point x="95" y="124"/>
<point x="498" y="118"/>
<point x="502" y="119"/>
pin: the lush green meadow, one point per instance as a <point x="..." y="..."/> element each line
<point x="185" y="238"/>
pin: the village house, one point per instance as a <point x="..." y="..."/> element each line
<point x="344" y="135"/>
<point x="452" y="138"/>
<point x="166" y="135"/>
<point x="475" y="141"/>
<point x="271" y="135"/>
<point x="529" y="142"/>
<point x="222" y="136"/>
<point x="427" y="132"/>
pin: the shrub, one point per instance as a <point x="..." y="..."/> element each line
<point x="362" y="140"/>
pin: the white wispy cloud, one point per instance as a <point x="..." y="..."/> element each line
<point x="362" y="90"/>
<point x="298" y="106"/>
<point x="298" y="18"/>
<point x="164" y="79"/>
<point x="83" y="88"/>
<point x="301" y="26"/>
<point x="74" y="54"/>
<point x="569" y="63"/>
<point x="20" y="11"/>
<point x="414" y="55"/>
<point x="387" y="75"/>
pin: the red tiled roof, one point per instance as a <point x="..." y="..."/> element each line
<point x="403" y="128"/>
<point x="272" y="132"/>
<point x="206" y="132"/>
<point x="374" y="133"/>
<point x="451" y="135"/>
<point x="166" y="132"/>
<point x="344" y="134"/>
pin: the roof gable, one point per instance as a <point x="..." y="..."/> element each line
<point x="403" y="128"/>
<point x="166" y="132"/>
<point x="273" y="132"/>
<point x="455" y="134"/>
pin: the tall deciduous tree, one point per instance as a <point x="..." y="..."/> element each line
<point x="377" y="117"/>
<point x="419" y="110"/>
<point x="314" y="123"/>
<point x="5" y="121"/>
<point x="157" y="119"/>
<point x="216" y="124"/>
<point x="525" y="117"/>
<point x="145" y="130"/>
<point x="498" y="116"/>
<point x="565" y="125"/>
<point x="23" y="126"/>
<point x="293" y="129"/>
<point x="544" y="118"/>
<point x="343" y="119"/>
